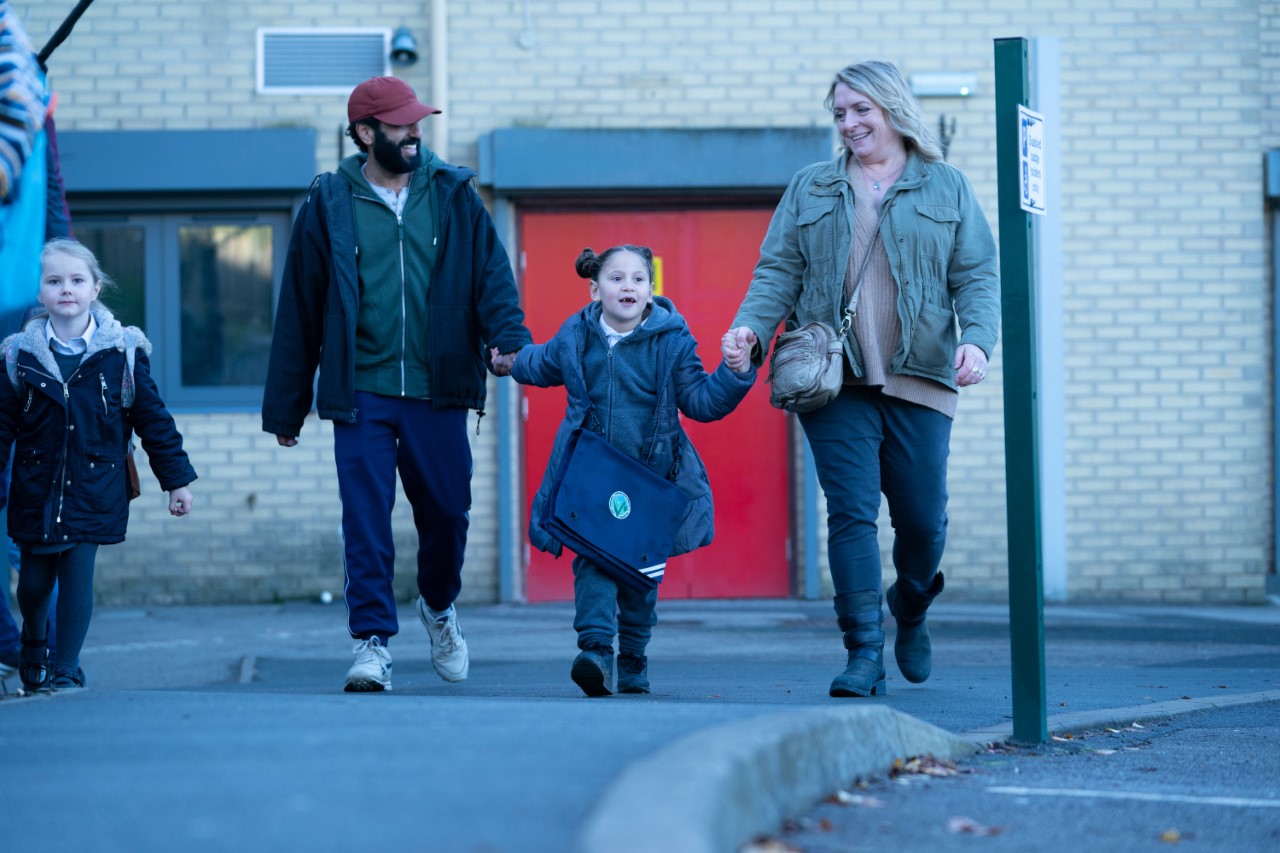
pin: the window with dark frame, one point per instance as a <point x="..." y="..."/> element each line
<point x="203" y="288"/>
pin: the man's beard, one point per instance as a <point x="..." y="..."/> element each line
<point x="389" y="156"/>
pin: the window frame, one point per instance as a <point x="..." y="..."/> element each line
<point x="162" y="300"/>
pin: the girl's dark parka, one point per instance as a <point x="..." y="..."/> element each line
<point x="71" y="434"/>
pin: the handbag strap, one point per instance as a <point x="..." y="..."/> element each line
<point x="846" y="323"/>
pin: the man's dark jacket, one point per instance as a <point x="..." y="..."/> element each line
<point x="473" y="303"/>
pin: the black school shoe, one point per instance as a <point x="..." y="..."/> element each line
<point x="593" y="670"/>
<point x="67" y="678"/>
<point x="33" y="663"/>
<point x="633" y="673"/>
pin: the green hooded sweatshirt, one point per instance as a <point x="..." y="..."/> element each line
<point x="394" y="258"/>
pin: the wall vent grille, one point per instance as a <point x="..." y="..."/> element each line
<point x="320" y="60"/>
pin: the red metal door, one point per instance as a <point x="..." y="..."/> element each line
<point x="704" y="260"/>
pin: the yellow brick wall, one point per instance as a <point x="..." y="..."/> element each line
<point x="266" y="523"/>
<point x="1168" y="106"/>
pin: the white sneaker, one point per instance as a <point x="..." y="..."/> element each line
<point x="448" y="646"/>
<point x="371" y="673"/>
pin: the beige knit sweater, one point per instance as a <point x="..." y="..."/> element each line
<point x="876" y="325"/>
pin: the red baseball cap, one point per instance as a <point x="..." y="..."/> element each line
<point x="389" y="100"/>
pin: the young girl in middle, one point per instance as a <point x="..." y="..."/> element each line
<point x="608" y="356"/>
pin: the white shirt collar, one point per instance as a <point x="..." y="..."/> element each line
<point x="76" y="345"/>
<point x="612" y="335"/>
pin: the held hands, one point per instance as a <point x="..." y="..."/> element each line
<point x="736" y="346"/>
<point x="971" y="365"/>
<point x="502" y="362"/>
<point x="180" y="502"/>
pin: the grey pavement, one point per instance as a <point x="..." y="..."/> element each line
<point x="212" y="728"/>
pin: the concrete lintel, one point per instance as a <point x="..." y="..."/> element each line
<point x="540" y="160"/>
<point x="150" y="161"/>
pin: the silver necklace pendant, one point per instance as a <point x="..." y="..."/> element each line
<point x="875" y="185"/>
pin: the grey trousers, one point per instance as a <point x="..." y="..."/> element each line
<point x="605" y="607"/>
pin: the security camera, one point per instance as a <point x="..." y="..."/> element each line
<point x="404" y="47"/>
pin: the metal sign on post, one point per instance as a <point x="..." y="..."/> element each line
<point x="1032" y="180"/>
<point x="1021" y="432"/>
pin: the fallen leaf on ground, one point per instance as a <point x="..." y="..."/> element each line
<point x="768" y="845"/>
<point x="968" y="826"/>
<point x="923" y="765"/>
<point x="845" y="798"/>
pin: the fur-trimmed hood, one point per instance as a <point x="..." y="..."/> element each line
<point x="110" y="334"/>
<point x="71" y="436"/>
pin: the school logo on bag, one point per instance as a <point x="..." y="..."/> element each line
<point x="619" y="505"/>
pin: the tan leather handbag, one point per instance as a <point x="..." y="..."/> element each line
<point x="806" y="369"/>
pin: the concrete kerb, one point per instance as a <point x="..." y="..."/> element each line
<point x="713" y="790"/>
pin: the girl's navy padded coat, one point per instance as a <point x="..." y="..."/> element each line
<point x="661" y="356"/>
<point x="71" y="435"/>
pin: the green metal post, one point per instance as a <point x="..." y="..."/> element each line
<point x="1017" y="288"/>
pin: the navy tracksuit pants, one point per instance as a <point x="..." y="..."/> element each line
<point x="430" y="450"/>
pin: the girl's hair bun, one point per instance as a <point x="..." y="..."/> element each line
<point x="587" y="264"/>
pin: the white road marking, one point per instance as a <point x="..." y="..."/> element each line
<point x="1239" y="802"/>
<point x="146" y="646"/>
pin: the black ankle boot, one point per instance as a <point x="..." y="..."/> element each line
<point x="912" y="646"/>
<point x="593" y="670"/>
<point x="633" y="673"/>
<point x="858" y="614"/>
<point x="33" y="663"/>
<point x="67" y="677"/>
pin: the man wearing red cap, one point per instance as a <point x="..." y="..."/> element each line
<point x="394" y="287"/>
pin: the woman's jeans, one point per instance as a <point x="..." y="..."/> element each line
<point x="604" y="607"/>
<point x="865" y="443"/>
